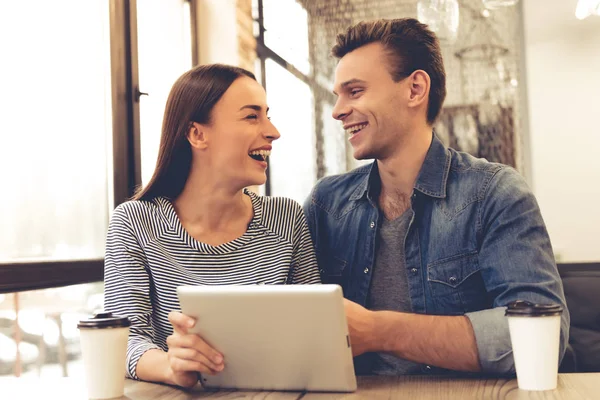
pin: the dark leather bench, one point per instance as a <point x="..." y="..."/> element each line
<point x="582" y="291"/>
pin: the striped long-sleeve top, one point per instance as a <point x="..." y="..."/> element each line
<point x="149" y="254"/>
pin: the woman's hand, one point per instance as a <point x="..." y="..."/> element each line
<point x="189" y="354"/>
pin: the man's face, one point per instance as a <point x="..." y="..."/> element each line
<point x="371" y="106"/>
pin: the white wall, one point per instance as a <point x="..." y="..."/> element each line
<point x="217" y="32"/>
<point x="563" y="89"/>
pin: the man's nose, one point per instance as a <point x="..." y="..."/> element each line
<point x="341" y="110"/>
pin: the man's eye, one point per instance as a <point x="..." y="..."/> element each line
<point x="252" y="116"/>
<point x="354" y="92"/>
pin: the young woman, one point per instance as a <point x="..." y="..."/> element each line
<point x="195" y="223"/>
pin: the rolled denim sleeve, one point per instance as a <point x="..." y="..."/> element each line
<point x="517" y="263"/>
<point x="493" y="340"/>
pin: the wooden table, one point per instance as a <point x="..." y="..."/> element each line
<point x="570" y="386"/>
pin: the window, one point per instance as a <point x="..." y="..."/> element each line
<point x="164" y="43"/>
<point x="55" y="131"/>
<point x="288" y="37"/>
<point x="312" y="144"/>
<point x="292" y="167"/>
<point x="334" y="142"/>
<point x="70" y="139"/>
<point x="48" y="339"/>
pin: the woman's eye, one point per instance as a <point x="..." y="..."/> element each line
<point x="354" y="92"/>
<point x="252" y="116"/>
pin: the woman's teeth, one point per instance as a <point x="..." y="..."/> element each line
<point x="260" y="155"/>
<point x="353" y="130"/>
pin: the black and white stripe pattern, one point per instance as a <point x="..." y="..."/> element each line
<point x="149" y="254"/>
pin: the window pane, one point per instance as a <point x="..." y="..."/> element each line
<point x="164" y="53"/>
<point x="55" y="129"/>
<point x="334" y="144"/>
<point x="49" y="338"/>
<point x="293" y="160"/>
<point x="286" y="31"/>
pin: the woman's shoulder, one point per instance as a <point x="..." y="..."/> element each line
<point x="138" y="210"/>
<point x="279" y="215"/>
<point x="276" y="206"/>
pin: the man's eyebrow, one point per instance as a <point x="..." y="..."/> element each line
<point x="343" y="85"/>
<point x="253" y="107"/>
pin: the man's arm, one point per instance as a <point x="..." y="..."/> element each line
<point x="516" y="261"/>
<point x="443" y="341"/>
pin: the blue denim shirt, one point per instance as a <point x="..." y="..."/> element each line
<point x="476" y="242"/>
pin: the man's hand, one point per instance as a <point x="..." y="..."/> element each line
<point x="361" y="326"/>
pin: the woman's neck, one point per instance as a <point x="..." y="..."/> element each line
<point x="209" y="209"/>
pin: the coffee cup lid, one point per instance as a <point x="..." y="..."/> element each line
<point x="104" y="320"/>
<point x="521" y="308"/>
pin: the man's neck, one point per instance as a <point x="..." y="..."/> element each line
<point x="399" y="172"/>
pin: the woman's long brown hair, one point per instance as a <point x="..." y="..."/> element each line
<point x="191" y="99"/>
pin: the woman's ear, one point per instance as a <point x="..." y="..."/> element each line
<point x="197" y="136"/>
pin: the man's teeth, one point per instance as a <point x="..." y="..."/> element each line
<point x="264" y="153"/>
<point x="355" y="128"/>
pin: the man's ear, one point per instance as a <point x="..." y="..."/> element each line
<point x="198" y="136"/>
<point x="420" y="83"/>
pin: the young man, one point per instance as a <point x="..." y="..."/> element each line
<point x="429" y="244"/>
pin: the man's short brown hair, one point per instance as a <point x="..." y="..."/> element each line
<point x="410" y="46"/>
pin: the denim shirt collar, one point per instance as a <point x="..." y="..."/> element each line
<point x="432" y="178"/>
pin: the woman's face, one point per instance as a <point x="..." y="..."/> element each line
<point x="238" y="140"/>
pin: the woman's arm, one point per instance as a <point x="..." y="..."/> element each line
<point x="127" y="292"/>
<point x="127" y="287"/>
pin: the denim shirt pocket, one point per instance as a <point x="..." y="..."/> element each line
<point x="332" y="270"/>
<point x="456" y="284"/>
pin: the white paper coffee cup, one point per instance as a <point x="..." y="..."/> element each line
<point x="104" y="347"/>
<point x="535" y="337"/>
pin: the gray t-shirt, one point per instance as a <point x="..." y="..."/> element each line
<point x="389" y="287"/>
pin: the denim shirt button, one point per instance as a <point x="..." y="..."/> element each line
<point x="414" y="270"/>
<point x="372" y="225"/>
<point x="366" y="270"/>
<point x="322" y="271"/>
<point x="452" y="279"/>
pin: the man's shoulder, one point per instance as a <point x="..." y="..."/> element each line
<point x="337" y="194"/>
<point x="343" y="184"/>
<point x="485" y="176"/>
<point x="462" y="162"/>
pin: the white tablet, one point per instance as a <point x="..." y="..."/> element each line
<point x="274" y="337"/>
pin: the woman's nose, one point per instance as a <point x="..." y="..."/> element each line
<point x="271" y="131"/>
